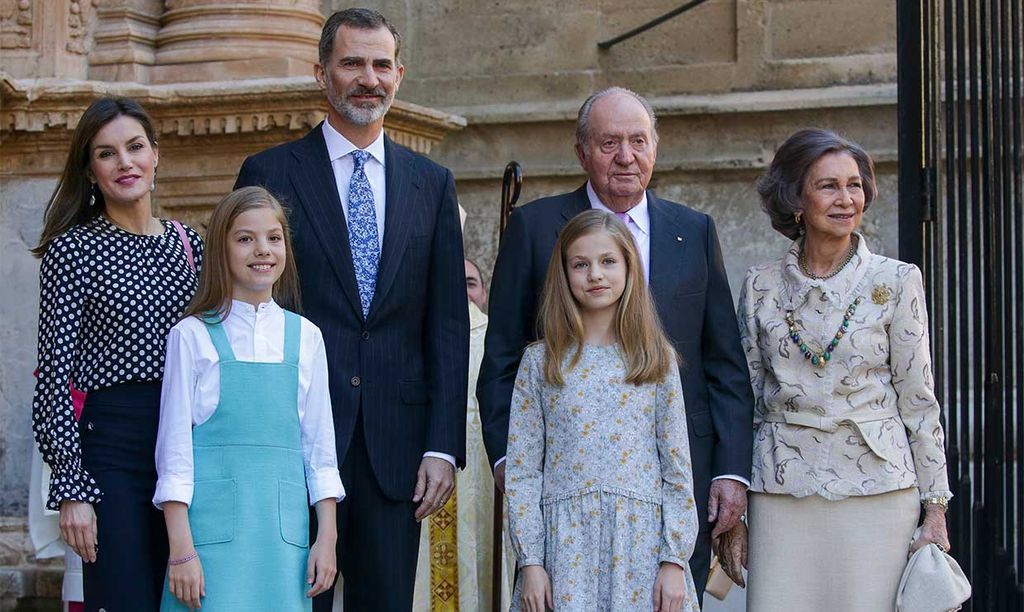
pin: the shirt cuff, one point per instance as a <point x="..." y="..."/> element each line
<point x="324" y="483"/>
<point x="738" y="479"/>
<point x="173" y="489"/>
<point x="498" y="462"/>
<point x="449" y="458"/>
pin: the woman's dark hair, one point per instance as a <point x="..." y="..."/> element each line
<point x="780" y="187"/>
<point x="69" y="204"/>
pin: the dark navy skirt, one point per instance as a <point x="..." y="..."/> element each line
<point x="118" y="433"/>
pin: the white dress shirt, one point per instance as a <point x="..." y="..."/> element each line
<point x="191" y="391"/>
<point x="340" y="149"/>
<point x="639" y="225"/>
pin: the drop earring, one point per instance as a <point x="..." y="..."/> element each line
<point x="152" y="186"/>
<point x="92" y="196"/>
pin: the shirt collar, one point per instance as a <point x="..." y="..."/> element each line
<point x="248" y="310"/>
<point x="639" y="214"/>
<point x="338" y="146"/>
<point x="839" y="289"/>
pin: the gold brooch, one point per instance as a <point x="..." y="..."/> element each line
<point x="881" y="294"/>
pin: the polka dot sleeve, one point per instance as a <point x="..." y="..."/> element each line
<point x="61" y="304"/>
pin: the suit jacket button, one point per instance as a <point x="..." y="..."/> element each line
<point x="355" y="381"/>
<point x="366" y="335"/>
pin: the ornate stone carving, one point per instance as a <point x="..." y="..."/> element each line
<point x="79" y="15"/>
<point x="15" y="24"/>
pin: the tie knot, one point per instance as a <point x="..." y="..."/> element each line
<point x="624" y="217"/>
<point x="359" y="158"/>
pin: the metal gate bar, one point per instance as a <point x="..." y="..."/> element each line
<point x="961" y="177"/>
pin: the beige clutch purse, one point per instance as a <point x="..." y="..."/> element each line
<point x="719" y="583"/>
<point x="932" y="582"/>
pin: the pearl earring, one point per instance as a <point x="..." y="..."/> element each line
<point x="92" y="195"/>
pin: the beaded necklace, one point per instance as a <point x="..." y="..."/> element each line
<point x="819" y="360"/>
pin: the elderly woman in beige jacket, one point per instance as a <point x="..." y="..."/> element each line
<point x="848" y="444"/>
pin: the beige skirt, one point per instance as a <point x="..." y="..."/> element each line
<point x="810" y="554"/>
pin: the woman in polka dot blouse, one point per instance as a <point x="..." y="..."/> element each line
<point x="113" y="281"/>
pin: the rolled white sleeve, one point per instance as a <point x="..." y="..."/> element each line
<point x="323" y="481"/>
<point x="174" y="467"/>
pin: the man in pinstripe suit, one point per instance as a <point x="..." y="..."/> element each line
<point x="379" y="251"/>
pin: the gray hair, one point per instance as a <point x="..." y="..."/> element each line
<point x="358" y="18"/>
<point x="780" y="187"/>
<point x="583" y="118"/>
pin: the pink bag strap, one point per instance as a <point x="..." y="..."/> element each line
<point x="185" y="243"/>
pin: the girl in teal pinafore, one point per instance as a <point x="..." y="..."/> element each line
<point x="246" y="440"/>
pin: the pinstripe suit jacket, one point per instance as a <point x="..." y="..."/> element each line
<point x="406" y="365"/>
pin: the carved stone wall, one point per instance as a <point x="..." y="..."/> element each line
<point x="222" y="80"/>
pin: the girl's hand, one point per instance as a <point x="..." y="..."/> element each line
<point x="187" y="582"/>
<point x="933" y="530"/>
<point x="322" y="567"/>
<point x="536" y="592"/>
<point x="669" y="588"/>
<point x="78" y="528"/>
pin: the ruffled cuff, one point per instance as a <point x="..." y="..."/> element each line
<point x="77" y="486"/>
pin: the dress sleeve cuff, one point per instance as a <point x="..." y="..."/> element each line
<point x="324" y="483"/>
<point x="174" y="490"/>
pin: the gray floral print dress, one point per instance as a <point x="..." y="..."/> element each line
<point x="599" y="482"/>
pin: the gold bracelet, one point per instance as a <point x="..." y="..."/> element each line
<point x="940" y="501"/>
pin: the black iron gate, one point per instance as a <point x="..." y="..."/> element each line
<point x="961" y="133"/>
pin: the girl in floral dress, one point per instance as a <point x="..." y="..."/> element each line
<point x="599" y="483"/>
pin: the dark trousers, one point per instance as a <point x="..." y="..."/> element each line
<point x="118" y="433"/>
<point x="378" y="540"/>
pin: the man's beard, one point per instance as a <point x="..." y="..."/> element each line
<point x="359" y="115"/>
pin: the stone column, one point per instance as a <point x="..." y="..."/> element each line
<point x="125" y="40"/>
<point x="215" y="40"/>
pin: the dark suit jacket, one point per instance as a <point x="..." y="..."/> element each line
<point x="691" y="291"/>
<point x="406" y="366"/>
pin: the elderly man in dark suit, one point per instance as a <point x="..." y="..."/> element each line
<point x="379" y="251"/>
<point x="616" y="143"/>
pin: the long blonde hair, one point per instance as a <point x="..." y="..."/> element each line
<point x="647" y="351"/>
<point x="215" y="285"/>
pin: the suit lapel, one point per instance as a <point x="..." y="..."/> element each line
<point x="402" y="187"/>
<point x="668" y="247"/>
<point x="576" y="203"/>
<point x="314" y="183"/>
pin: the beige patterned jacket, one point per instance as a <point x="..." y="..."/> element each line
<point x="866" y="423"/>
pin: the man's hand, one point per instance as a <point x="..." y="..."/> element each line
<point x="499" y="477"/>
<point x="726" y="504"/>
<point x="435" y="482"/>
<point x="731" y="548"/>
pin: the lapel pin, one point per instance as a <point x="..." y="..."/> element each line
<point x="679" y="238"/>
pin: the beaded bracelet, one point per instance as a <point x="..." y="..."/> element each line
<point x="185" y="559"/>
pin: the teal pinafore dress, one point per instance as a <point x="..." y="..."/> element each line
<point x="250" y="511"/>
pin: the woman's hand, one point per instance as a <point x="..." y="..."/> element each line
<point x="322" y="567"/>
<point x="670" y="588"/>
<point x="187" y="583"/>
<point x="536" y="592"/>
<point x="78" y="528"/>
<point x="933" y="530"/>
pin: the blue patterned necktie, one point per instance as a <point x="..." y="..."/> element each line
<point x="362" y="230"/>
